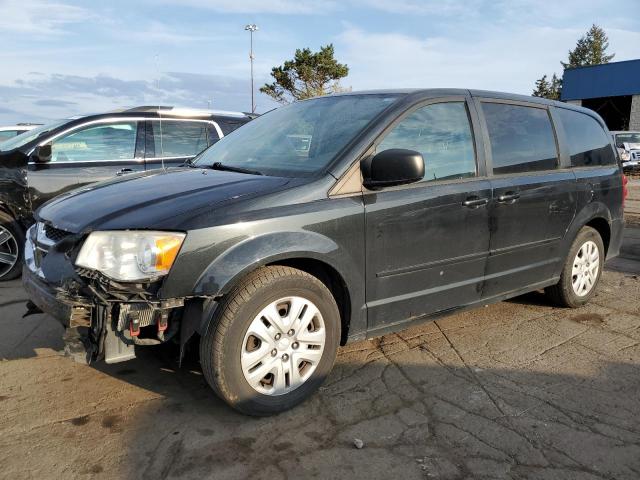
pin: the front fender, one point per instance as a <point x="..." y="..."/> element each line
<point x="233" y="264"/>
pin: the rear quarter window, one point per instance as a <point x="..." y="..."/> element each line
<point x="227" y="126"/>
<point x="589" y="144"/>
<point x="521" y="138"/>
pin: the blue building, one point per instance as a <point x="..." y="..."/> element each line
<point x="611" y="89"/>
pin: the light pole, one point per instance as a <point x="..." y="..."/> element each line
<point x="252" y="27"/>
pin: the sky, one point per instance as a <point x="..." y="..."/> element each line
<point x="67" y="57"/>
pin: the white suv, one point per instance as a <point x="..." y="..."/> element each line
<point x="628" y="145"/>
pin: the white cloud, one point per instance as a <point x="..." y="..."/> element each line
<point x="284" y="7"/>
<point x="507" y="58"/>
<point x="39" y="17"/>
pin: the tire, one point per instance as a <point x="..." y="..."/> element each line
<point x="564" y="293"/>
<point x="11" y="248"/>
<point x="257" y="317"/>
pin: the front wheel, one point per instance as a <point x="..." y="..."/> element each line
<point x="581" y="271"/>
<point x="11" y="248"/>
<point x="272" y="341"/>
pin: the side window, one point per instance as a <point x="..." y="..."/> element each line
<point x="521" y="138"/>
<point x="588" y="142"/>
<point x="213" y="135"/>
<point x="227" y="126"/>
<point x="179" y="138"/>
<point x="441" y="132"/>
<point x="7" y="134"/>
<point x="114" y="141"/>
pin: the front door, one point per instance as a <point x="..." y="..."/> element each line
<point x="88" y="154"/>
<point x="427" y="243"/>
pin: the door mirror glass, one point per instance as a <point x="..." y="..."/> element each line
<point x="42" y="154"/>
<point x="395" y="166"/>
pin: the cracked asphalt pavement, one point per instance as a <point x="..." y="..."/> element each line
<point x="519" y="389"/>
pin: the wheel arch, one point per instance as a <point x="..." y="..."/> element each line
<point x="311" y="252"/>
<point x="603" y="227"/>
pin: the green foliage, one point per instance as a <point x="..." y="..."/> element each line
<point x="309" y="74"/>
<point x="591" y="49"/>
<point x="548" y="88"/>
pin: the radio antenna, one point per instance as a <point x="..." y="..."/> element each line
<point x="157" y="58"/>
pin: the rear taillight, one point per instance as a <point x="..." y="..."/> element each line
<point x="625" y="188"/>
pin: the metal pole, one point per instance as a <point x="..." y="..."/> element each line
<point x="253" y="103"/>
<point x="252" y="27"/>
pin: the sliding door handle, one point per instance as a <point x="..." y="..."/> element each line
<point x="509" y="197"/>
<point x="475" y="202"/>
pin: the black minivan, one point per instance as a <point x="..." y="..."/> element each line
<point x="51" y="159"/>
<point x="329" y="220"/>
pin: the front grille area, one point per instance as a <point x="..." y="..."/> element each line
<point x="54" y="234"/>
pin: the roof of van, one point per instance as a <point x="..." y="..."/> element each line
<point x="473" y="92"/>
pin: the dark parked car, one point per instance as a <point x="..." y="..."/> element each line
<point x="406" y="206"/>
<point x="54" y="158"/>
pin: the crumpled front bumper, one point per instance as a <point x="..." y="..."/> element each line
<point x="71" y="313"/>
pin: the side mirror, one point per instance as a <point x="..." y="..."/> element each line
<point x="42" y="154"/>
<point x="395" y="166"/>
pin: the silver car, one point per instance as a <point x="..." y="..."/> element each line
<point x="628" y="145"/>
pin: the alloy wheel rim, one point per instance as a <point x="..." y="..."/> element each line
<point x="586" y="267"/>
<point x="283" y="346"/>
<point x="8" y="251"/>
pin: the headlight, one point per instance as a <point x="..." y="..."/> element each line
<point x="624" y="156"/>
<point x="130" y="256"/>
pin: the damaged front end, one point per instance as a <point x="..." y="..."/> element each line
<point x="105" y="319"/>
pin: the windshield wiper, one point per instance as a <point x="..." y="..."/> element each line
<point x="230" y="168"/>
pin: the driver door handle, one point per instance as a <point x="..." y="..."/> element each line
<point x="124" y="171"/>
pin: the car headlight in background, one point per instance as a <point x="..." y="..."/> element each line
<point x="624" y="156"/>
<point x="130" y="255"/>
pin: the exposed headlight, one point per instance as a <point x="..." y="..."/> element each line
<point x="130" y="256"/>
<point x="624" y="156"/>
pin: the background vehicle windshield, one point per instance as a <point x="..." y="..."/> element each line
<point x="28" y="136"/>
<point x="623" y="138"/>
<point x="300" y="139"/>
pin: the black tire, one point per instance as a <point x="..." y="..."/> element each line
<point x="13" y="246"/>
<point x="562" y="293"/>
<point x="222" y="343"/>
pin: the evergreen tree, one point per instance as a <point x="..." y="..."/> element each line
<point x="591" y="49"/>
<point x="542" y="87"/>
<point x="309" y="74"/>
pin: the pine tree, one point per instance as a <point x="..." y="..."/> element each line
<point x="591" y="49"/>
<point x="555" y="88"/>
<point x="309" y="74"/>
<point x="542" y="87"/>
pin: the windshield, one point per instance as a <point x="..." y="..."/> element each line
<point x="631" y="137"/>
<point x="297" y="140"/>
<point x="28" y="136"/>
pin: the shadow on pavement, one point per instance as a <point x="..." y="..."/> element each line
<point x="418" y="408"/>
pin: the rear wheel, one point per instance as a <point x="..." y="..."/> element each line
<point x="581" y="271"/>
<point x="11" y="247"/>
<point x="272" y="341"/>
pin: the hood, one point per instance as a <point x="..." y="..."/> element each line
<point x="151" y="200"/>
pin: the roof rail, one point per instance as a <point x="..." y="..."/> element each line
<point x="185" y="112"/>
